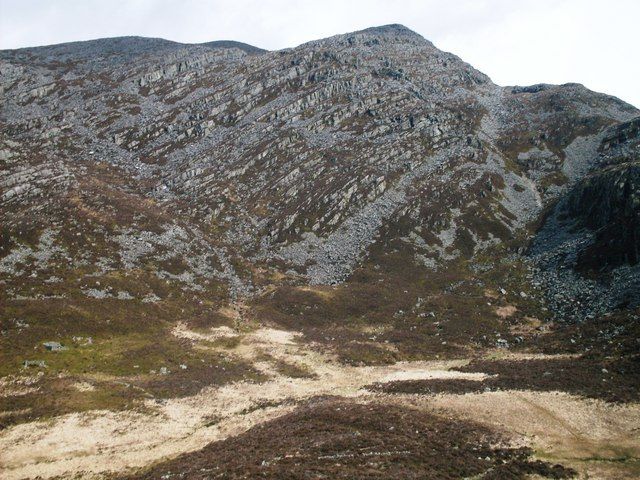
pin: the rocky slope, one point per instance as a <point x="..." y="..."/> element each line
<point x="588" y="247"/>
<point x="303" y="154"/>
<point x="378" y="195"/>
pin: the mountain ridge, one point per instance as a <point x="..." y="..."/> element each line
<point x="112" y="42"/>
<point x="388" y="28"/>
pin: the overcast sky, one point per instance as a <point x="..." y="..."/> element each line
<point x="513" y="41"/>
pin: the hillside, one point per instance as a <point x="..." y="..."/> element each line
<point x="220" y="235"/>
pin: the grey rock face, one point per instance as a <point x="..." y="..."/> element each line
<point x="588" y="250"/>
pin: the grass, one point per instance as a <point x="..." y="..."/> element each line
<point x="59" y="396"/>
<point x="225" y="343"/>
<point x="285" y="368"/>
<point x="389" y="310"/>
<point x="614" y="463"/>
<point x="293" y="370"/>
<point x="124" y="369"/>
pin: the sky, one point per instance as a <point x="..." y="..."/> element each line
<point x="515" y="42"/>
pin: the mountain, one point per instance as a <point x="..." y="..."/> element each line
<point x="379" y="197"/>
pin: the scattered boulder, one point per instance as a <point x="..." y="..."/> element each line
<point x="54" y="346"/>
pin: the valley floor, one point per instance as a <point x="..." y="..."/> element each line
<point x="284" y="426"/>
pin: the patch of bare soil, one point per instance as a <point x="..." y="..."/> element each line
<point x="429" y="386"/>
<point x="506" y="311"/>
<point x="343" y="439"/>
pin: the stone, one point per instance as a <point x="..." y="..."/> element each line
<point x="54" y="346"/>
<point x="34" y="363"/>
